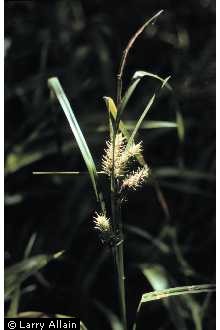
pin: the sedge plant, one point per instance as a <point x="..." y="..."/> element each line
<point x="123" y="163"/>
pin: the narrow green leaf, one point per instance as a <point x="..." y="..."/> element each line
<point x="141" y="74"/>
<point x="147" y="124"/>
<point x="32" y="314"/>
<point x="165" y="82"/>
<point x="156" y="275"/>
<point x="134" y="82"/>
<point x="161" y="294"/>
<point x="140" y="120"/>
<point x="58" y="91"/>
<point x="82" y="326"/>
<point x="184" y="290"/>
<point x="179" y="118"/>
<point x="128" y="94"/>
<point x="13" y="308"/>
<point x="143" y="115"/>
<point x="29" y="246"/>
<point x="152" y="124"/>
<point x="111" y="107"/>
<point x="19" y="272"/>
<point x="180" y="126"/>
<point x="15" y="161"/>
<point x="195" y="310"/>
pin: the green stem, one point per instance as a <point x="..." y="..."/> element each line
<point x="121" y="282"/>
<point x="121" y="278"/>
<point x="118" y="250"/>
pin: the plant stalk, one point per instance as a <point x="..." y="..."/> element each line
<point x="115" y="199"/>
<point x="118" y="250"/>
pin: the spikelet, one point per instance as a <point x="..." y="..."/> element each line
<point x="135" y="179"/>
<point x="121" y="155"/>
<point x="135" y="149"/>
<point x="107" y="160"/>
<point x="102" y="223"/>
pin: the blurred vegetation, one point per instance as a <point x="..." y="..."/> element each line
<point x="81" y="42"/>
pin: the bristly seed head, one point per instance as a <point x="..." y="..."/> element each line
<point x="135" y="149"/>
<point x="121" y="155"/>
<point x="136" y="178"/>
<point x="102" y="223"/>
<point x="108" y="159"/>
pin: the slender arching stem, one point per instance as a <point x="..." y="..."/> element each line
<point x="118" y="250"/>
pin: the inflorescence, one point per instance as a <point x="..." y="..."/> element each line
<point x="117" y="161"/>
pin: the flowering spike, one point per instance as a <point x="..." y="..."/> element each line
<point x="102" y="223"/>
<point x="136" y="178"/>
<point x="108" y="159"/>
<point x="135" y="149"/>
<point x="121" y="156"/>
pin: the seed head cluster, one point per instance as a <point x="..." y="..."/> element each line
<point x="117" y="160"/>
<point x="118" y="157"/>
<point x="102" y="223"/>
<point x="135" y="179"/>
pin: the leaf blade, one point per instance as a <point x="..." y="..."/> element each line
<point x="19" y="272"/>
<point x="140" y="120"/>
<point x="58" y="91"/>
<point x="161" y="294"/>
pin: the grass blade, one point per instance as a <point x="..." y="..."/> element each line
<point x="111" y="107"/>
<point x="143" y="115"/>
<point x="180" y="126"/>
<point x="13" y="308"/>
<point x="152" y="124"/>
<point x="128" y="94"/>
<point x="184" y="290"/>
<point x="134" y="82"/>
<point x="141" y="74"/>
<point x="140" y="120"/>
<point x="147" y="124"/>
<point x="161" y="294"/>
<point x="156" y="275"/>
<point x="58" y="91"/>
<point x="19" y="272"/>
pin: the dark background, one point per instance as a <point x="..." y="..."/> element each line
<point x="81" y="42"/>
